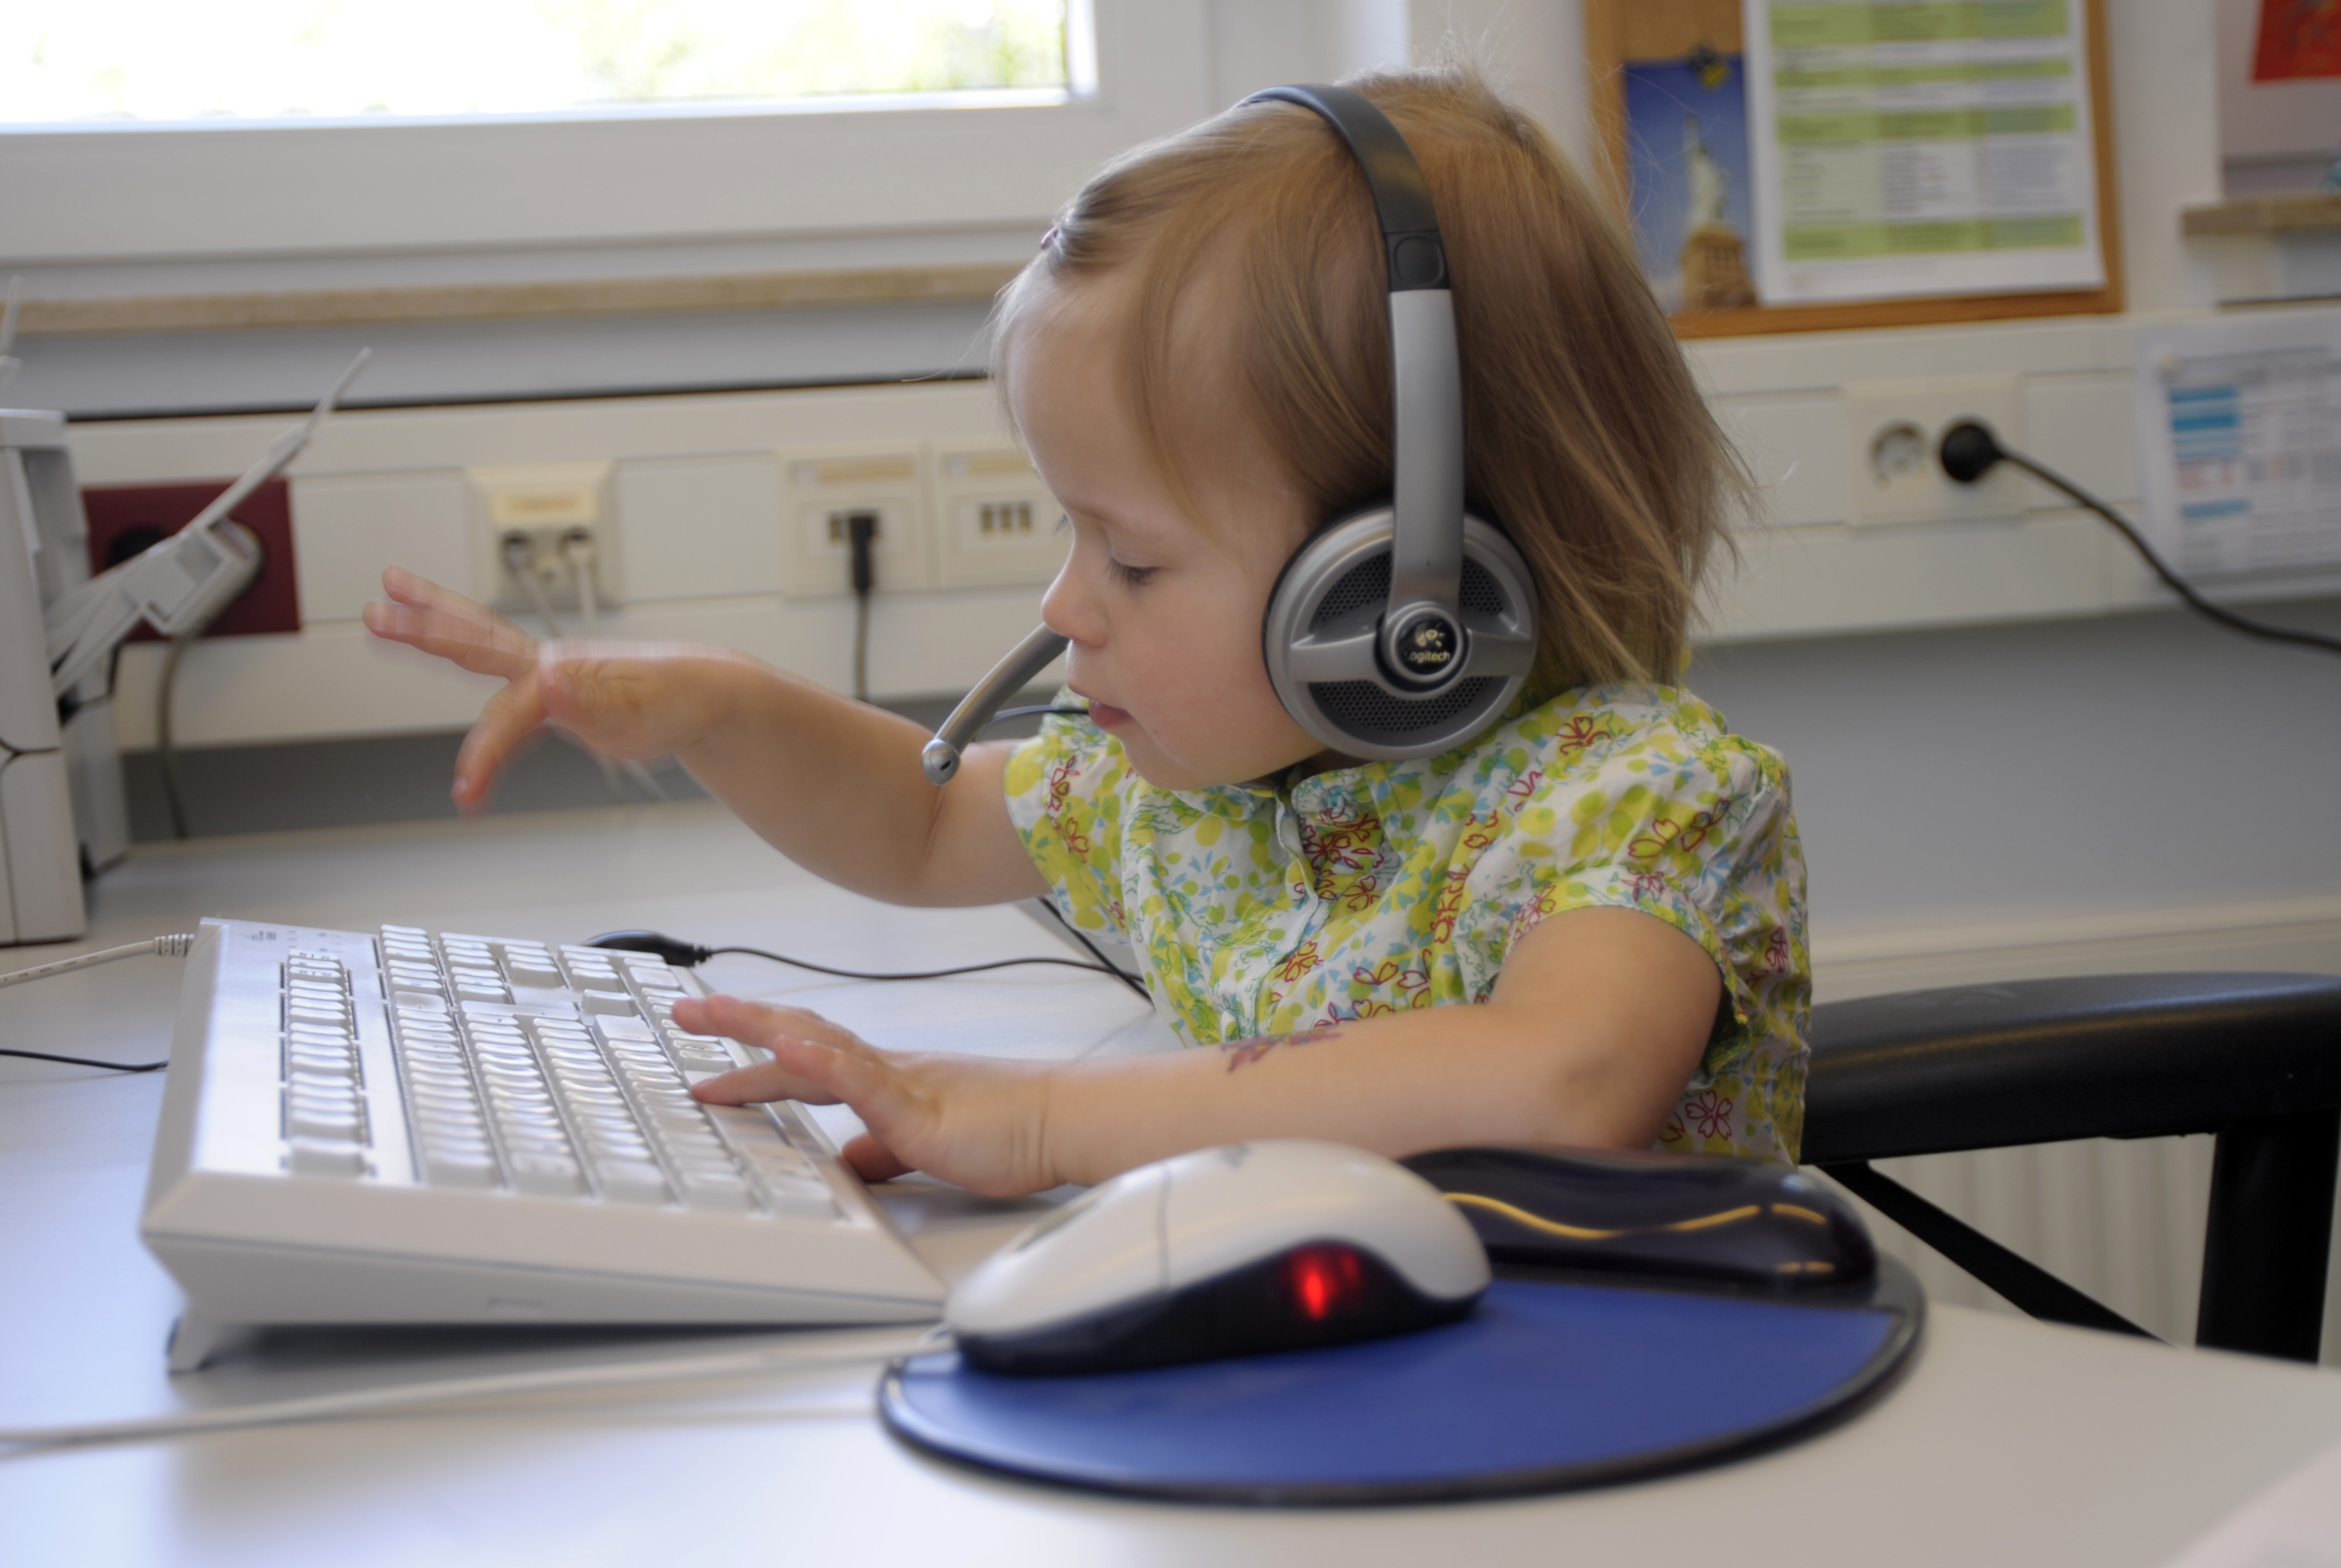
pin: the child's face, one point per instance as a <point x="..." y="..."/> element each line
<point x="1163" y="610"/>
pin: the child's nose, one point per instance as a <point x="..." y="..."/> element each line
<point x="1068" y="609"/>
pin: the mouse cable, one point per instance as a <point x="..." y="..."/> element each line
<point x="1075" y="932"/>
<point x="1077" y="935"/>
<point x="691" y="955"/>
<point x="408" y="1396"/>
<point x="174" y="946"/>
<point x="1969" y="451"/>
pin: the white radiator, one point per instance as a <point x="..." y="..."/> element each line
<point x="2119" y="1219"/>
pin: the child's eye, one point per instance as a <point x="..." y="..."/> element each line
<point x="1135" y="576"/>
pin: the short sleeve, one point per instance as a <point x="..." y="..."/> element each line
<point x="1699" y="836"/>
<point x="1694" y="827"/>
<point x="1066" y="789"/>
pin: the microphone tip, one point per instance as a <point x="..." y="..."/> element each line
<point x="939" y="759"/>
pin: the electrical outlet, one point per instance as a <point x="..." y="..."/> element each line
<point x="540" y="507"/>
<point x="1892" y="430"/>
<point x="995" y="523"/>
<point x="125" y="519"/>
<point x="823" y="489"/>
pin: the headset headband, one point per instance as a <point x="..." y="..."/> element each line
<point x="1426" y="387"/>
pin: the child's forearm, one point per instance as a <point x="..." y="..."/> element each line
<point x="1548" y="1059"/>
<point x="1597" y="1023"/>
<point x="835" y="785"/>
<point x="1396" y="1085"/>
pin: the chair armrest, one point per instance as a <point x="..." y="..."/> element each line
<point x="2041" y="1061"/>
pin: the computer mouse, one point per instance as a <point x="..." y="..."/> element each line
<point x="1277" y="1245"/>
<point x="1681" y="1216"/>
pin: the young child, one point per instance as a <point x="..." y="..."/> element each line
<point x="1583" y="927"/>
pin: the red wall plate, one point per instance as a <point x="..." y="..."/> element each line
<point x="124" y="519"/>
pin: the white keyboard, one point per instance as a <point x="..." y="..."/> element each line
<point x="406" y="1127"/>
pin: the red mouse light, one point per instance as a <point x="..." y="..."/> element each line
<point x="1324" y="1280"/>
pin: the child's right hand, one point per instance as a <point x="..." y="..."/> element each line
<point x="624" y="699"/>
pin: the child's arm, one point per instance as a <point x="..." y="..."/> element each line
<point x="1597" y="1020"/>
<point x="833" y="784"/>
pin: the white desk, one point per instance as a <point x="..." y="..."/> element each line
<point x="2008" y="1442"/>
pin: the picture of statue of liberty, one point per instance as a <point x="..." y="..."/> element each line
<point x="1686" y="156"/>
<point x="1714" y="257"/>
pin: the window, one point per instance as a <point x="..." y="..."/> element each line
<point x="85" y="191"/>
<point x="78" y="62"/>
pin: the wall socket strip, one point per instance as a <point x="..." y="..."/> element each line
<point x="1893" y="431"/>
<point x="948" y="515"/>
<point x="711" y="527"/>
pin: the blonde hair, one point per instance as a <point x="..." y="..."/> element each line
<point x="1587" y="441"/>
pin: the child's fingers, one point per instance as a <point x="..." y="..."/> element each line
<point x="510" y="716"/>
<point x="799" y="1070"/>
<point x="817" y="1074"/>
<point x="419" y="593"/>
<point x="871" y="1160"/>
<point x="758" y="1023"/>
<point x="482" y="647"/>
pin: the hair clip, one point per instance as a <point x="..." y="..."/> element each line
<point x="1050" y="238"/>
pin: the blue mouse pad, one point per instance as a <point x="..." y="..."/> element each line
<point x="1546" y="1385"/>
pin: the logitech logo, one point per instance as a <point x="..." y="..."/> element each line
<point x="1428" y="647"/>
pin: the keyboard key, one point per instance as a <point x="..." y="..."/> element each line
<point x="547" y="1176"/>
<point x="610" y="1003"/>
<point x="718" y="1193"/>
<point x="315" y="1157"/>
<point x="631" y="1181"/>
<point x="326" y="1123"/>
<point x="791" y="1201"/>
<point x="460" y="1168"/>
<point x="318" y="1057"/>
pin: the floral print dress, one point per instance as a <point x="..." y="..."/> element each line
<point x="1269" y="909"/>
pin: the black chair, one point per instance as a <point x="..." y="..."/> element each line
<point x="2254" y="1058"/>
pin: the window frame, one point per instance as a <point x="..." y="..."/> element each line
<point x="115" y="192"/>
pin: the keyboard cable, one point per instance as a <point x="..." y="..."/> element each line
<point x="367" y="1401"/>
<point x="685" y="955"/>
<point x="173" y="946"/>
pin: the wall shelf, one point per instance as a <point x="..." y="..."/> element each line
<point x="2303" y="212"/>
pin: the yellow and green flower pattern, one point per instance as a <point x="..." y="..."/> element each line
<point x="1269" y="908"/>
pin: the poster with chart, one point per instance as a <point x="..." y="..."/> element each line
<point x="2239" y="438"/>
<point x="1907" y="148"/>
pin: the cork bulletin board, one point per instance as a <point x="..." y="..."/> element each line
<point x="1900" y="98"/>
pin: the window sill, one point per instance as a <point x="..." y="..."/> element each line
<point x="512" y="302"/>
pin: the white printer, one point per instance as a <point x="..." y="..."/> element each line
<point x="61" y="800"/>
<point x="62" y="810"/>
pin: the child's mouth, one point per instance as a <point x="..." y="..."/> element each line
<point x="1105" y="716"/>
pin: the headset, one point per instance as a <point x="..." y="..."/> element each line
<point x="1402" y="628"/>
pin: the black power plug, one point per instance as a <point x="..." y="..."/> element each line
<point x="861" y="536"/>
<point x="861" y="540"/>
<point x="1969" y="451"/>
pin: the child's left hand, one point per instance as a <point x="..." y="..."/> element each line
<point x="976" y="1121"/>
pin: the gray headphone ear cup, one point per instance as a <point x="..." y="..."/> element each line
<point x="1317" y="639"/>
